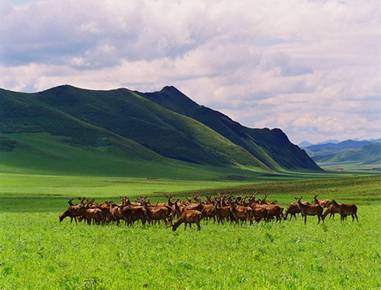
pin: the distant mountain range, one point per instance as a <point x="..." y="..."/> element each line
<point x="68" y="128"/>
<point x="358" y="154"/>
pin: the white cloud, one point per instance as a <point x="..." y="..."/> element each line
<point x="311" y="68"/>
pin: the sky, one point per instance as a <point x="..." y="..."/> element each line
<point x="309" y="67"/>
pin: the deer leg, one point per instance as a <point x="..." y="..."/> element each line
<point x="198" y="226"/>
<point x="305" y="219"/>
<point x="357" y="219"/>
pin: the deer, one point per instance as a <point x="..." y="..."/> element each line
<point x="345" y="210"/>
<point x="293" y="209"/>
<point x="188" y="216"/>
<point x="322" y="203"/>
<point x="158" y="213"/>
<point x="242" y="213"/>
<point x="73" y="211"/>
<point x="132" y="213"/>
<point x="331" y="210"/>
<point x="209" y="212"/>
<point x="310" y="209"/>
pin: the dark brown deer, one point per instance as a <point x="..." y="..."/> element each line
<point x="132" y="213"/>
<point x="310" y="209"/>
<point x="273" y="211"/>
<point x="293" y="209"/>
<point x="346" y="209"/>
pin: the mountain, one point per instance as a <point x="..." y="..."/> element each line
<point x="336" y="147"/>
<point x="271" y="147"/>
<point x="360" y="154"/>
<point x="66" y="128"/>
<point x="305" y="144"/>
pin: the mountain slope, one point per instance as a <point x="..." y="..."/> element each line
<point x="355" y="151"/>
<point x="129" y="115"/>
<point x="365" y="154"/>
<point x="121" y="128"/>
<point x="271" y="147"/>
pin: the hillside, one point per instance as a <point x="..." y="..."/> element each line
<point x="271" y="147"/>
<point x="364" y="154"/>
<point x="74" y="127"/>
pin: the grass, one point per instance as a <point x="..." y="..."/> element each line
<point x="351" y="166"/>
<point x="41" y="153"/>
<point x="38" y="252"/>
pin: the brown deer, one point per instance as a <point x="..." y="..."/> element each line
<point x="273" y="211"/>
<point x="346" y="209"/>
<point x="223" y="213"/>
<point x="190" y="217"/>
<point x="293" y="209"/>
<point x="310" y="209"/>
<point x="331" y="210"/>
<point x="209" y="212"/>
<point x="242" y="213"/>
<point x="132" y="213"/>
<point x="158" y="213"/>
<point x="74" y="211"/>
<point x="322" y="203"/>
<point x="260" y="213"/>
<point x="116" y="212"/>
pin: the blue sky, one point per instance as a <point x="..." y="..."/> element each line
<point x="311" y="68"/>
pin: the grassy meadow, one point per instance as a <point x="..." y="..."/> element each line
<point x="38" y="252"/>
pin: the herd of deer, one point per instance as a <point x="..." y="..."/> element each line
<point x="220" y="209"/>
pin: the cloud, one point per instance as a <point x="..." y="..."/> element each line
<point x="311" y="68"/>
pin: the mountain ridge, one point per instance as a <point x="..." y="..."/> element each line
<point x="249" y="138"/>
<point x="143" y="128"/>
<point x="361" y="154"/>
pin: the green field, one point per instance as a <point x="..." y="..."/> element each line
<point x="38" y="252"/>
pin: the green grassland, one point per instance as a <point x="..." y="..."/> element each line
<point x="41" y="153"/>
<point x="38" y="252"/>
<point x="350" y="166"/>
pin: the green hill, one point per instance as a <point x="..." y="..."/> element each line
<point x="271" y="147"/>
<point x="121" y="132"/>
<point x="349" y="154"/>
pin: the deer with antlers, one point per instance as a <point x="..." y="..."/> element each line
<point x="323" y="203"/>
